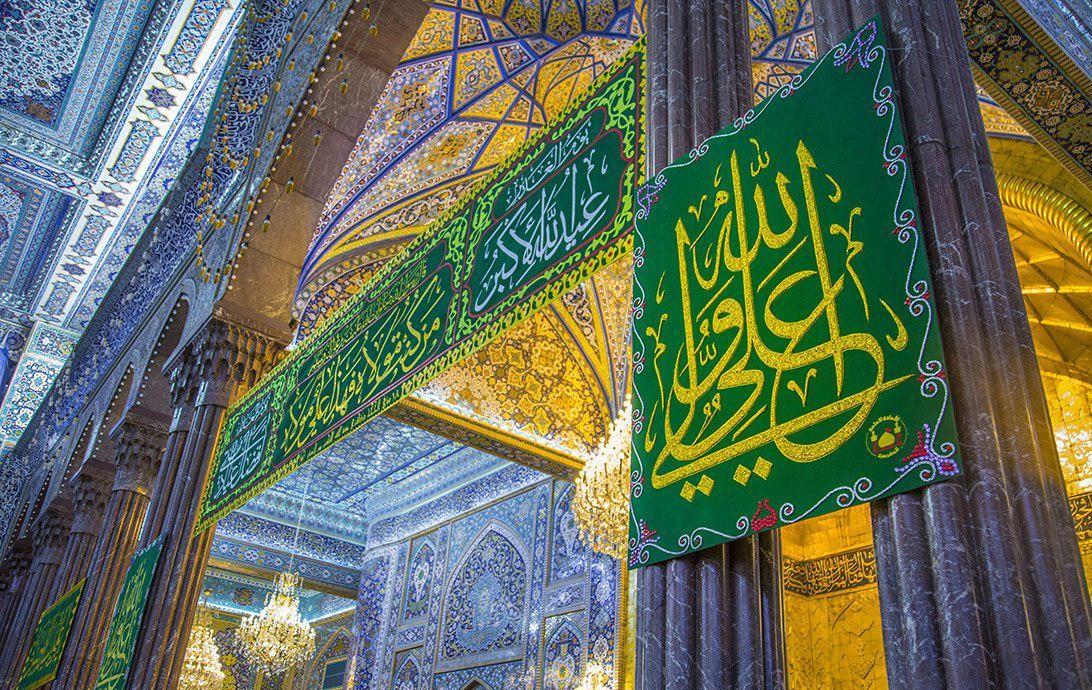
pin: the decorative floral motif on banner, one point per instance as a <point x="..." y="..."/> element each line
<point x="786" y="353"/>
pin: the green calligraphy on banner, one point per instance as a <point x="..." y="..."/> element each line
<point x="787" y="356"/>
<point x="546" y="219"/>
<point x="128" y="613"/>
<point x="50" y="637"/>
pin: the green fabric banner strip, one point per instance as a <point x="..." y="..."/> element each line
<point x="787" y="356"/>
<point x="128" y="613"/>
<point x="50" y="637"/>
<point x="549" y="217"/>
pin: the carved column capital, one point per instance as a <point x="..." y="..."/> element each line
<point x="17" y="561"/>
<point x="51" y="531"/>
<point x="91" y="489"/>
<point x="184" y="382"/>
<point x="140" y="440"/>
<point x="227" y="356"/>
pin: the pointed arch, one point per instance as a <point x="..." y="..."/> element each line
<point x="82" y="446"/>
<point x="34" y="500"/>
<point x="487" y="599"/>
<point x="563" y="656"/>
<point x="338" y="645"/>
<point x="154" y="386"/>
<point x="408" y="675"/>
<point x="568" y="554"/>
<point x="102" y="447"/>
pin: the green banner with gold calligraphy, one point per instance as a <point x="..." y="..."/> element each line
<point x="50" y="637"/>
<point x="544" y="220"/>
<point x="128" y="613"/>
<point x="787" y="357"/>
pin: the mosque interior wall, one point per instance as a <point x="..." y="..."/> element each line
<point x="498" y="595"/>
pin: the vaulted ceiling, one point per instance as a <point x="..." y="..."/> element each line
<point x="103" y="101"/>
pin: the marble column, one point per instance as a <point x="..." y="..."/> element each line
<point x="91" y="489"/>
<point x="13" y="581"/>
<point x="184" y="384"/>
<point x="222" y="358"/>
<point x="50" y="534"/>
<point x="711" y="620"/>
<point x="138" y="440"/>
<point x="980" y="578"/>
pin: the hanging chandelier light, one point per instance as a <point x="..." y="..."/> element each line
<point x="278" y="638"/>
<point x="201" y="668"/>
<point x="601" y="495"/>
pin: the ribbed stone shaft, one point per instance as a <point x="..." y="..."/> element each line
<point x="14" y="582"/>
<point x="980" y="578"/>
<point x="139" y="442"/>
<point x="219" y="360"/>
<point x="50" y="537"/>
<point x="710" y="620"/>
<point x="91" y="491"/>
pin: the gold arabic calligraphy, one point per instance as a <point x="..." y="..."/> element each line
<point x="766" y="279"/>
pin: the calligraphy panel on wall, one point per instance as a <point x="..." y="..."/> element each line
<point x="50" y="637"/>
<point x="557" y="211"/>
<point x="128" y="613"/>
<point x="787" y="356"/>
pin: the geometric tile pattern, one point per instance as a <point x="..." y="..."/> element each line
<point x="31" y="215"/>
<point x="63" y="64"/>
<point x="44" y="355"/>
<point x="478" y="79"/>
<point x="158" y="254"/>
<point x="385" y="468"/>
<point x="493" y="615"/>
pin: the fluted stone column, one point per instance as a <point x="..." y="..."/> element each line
<point x="980" y="578"/>
<point x="91" y="489"/>
<point x="139" y="441"/>
<point x="50" y="535"/>
<point x="184" y="384"/>
<point x="710" y="620"/>
<point x="13" y="581"/>
<point x="221" y="359"/>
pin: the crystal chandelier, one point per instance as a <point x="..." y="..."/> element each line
<point x="601" y="496"/>
<point x="201" y="667"/>
<point x="278" y="637"/>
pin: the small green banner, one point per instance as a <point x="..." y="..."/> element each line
<point x="50" y="637"/>
<point x="128" y="613"/>
<point x="550" y="216"/>
<point x="787" y="357"/>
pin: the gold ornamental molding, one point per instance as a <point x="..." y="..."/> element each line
<point x="856" y="568"/>
<point x="1051" y="206"/>
<point x="1024" y="69"/>
<point x="479" y="434"/>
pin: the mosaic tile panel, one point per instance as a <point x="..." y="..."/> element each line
<point x="496" y="616"/>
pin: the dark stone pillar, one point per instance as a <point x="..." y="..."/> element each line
<point x="139" y="442"/>
<point x="90" y="492"/>
<point x="221" y="359"/>
<point x="13" y="581"/>
<point x="50" y="534"/>
<point x="980" y="578"/>
<point x="711" y="620"/>
<point x="184" y="386"/>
